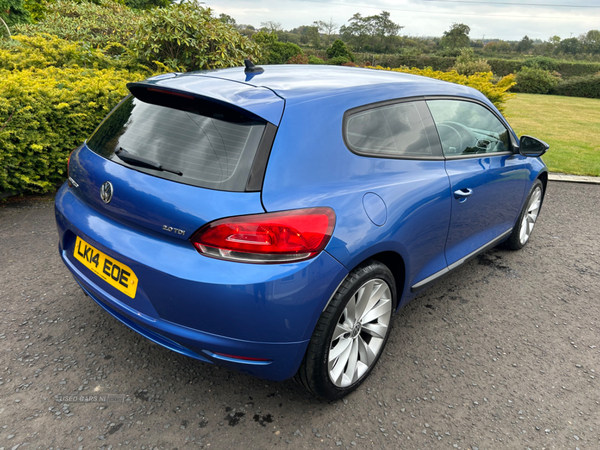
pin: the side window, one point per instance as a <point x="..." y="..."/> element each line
<point x="466" y="128"/>
<point x="398" y="130"/>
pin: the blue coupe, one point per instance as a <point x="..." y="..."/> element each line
<point x="273" y="220"/>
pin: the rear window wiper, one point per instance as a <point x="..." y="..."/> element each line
<point x="140" y="161"/>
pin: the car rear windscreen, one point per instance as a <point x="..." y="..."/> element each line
<point x="211" y="152"/>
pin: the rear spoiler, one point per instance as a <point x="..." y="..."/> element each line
<point x="212" y="97"/>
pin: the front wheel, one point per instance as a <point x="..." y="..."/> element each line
<point x="524" y="227"/>
<point x="351" y="333"/>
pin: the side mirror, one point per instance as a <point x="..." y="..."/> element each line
<point x="532" y="147"/>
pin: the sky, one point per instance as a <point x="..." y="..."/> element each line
<point x="489" y="19"/>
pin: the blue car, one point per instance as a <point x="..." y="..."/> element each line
<point x="273" y="220"/>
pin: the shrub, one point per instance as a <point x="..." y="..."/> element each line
<point x="94" y="24"/>
<point x="466" y="64"/>
<point x="542" y="62"/>
<point x="187" y="37"/>
<point x="579" y="87"/>
<point x="315" y="60"/>
<point x="497" y="93"/>
<point x="535" y="81"/>
<point x="274" y="51"/>
<point x="298" y="59"/>
<point x="337" y="49"/>
<point x="338" y="60"/>
<point x="46" y="113"/>
<point x="394" y="61"/>
<point x="282" y="52"/>
<point x="567" y="69"/>
<point x="13" y="12"/>
<point x="25" y="52"/>
<point x="472" y="67"/>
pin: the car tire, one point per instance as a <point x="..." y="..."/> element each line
<point x="526" y="221"/>
<point x="347" y="343"/>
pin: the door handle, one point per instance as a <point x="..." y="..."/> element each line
<point x="462" y="194"/>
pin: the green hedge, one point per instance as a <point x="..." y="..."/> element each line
<point x="46" y="113"/>
<point x="579" y="87"/>
<point x="441" y="63"/>
<point x="567" y="69"/>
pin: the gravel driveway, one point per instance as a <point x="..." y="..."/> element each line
<point x="504" y="353"/>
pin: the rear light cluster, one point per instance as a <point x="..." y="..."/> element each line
<point x="284" y="236"/>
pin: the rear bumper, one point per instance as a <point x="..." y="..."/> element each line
<point x="251" y="311"/>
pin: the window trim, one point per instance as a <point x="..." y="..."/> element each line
<point x="424" y="98"/>
<point x="434" y="138"/>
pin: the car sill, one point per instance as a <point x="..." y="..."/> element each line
<point x="446" y="270"/>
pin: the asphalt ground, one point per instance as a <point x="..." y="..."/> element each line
<point x="503" y="353"/>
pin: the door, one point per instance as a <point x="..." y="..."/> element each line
<point x="487" y="179"/>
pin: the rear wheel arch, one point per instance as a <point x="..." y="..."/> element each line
<point x="395" y="263"/>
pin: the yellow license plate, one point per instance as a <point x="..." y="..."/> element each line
<point x="117" y="274"/>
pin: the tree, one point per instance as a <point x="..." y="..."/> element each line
<point x="373" y="33"/>
<point x="570" y="46"/>
<point x="456" y="37"/>
<point x="274" y="51"/>
<point x="187" y="36"/>
<point x="13" y="12"/>
<point x="270" y="26"/>
<point x="525" y="44"/>
<point x="227" y="19"/>
<point x="338" y="49"/>
<point x="591" y="41"/>
<point x="327" y="28"/>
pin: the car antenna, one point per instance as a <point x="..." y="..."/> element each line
<point x="251" y="68"/>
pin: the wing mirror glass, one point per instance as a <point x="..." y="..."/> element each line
<point x="530" y="146"/>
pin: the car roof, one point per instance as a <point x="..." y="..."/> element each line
<point x="295" y="83"/>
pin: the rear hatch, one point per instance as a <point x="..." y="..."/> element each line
<point x="180" y="152"/>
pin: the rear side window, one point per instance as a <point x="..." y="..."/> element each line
<point x="401" y="130"/>
<point x="210" y="152"/>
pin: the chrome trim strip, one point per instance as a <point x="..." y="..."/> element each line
<point x="446" y="270"/>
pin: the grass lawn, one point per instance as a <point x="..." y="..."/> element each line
<point x="571" y="126"/>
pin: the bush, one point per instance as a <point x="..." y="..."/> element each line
<point x="315" y="60"/>
<point x="535" y="81"/>
<point x="497" y="93"/>
<point x="472" y="67"/>
<point x="25" y="52"/>
<point x="298" y="59"/>
<point x="46" y="113"/>
<point x="338" y="49"/>
<point x="187" y="37"/>
<point x="274" y="51"/>
<point x="13" y="12"/>
<point x="542" y="62"/>
<point x="94" y="24"/>
<point x="579" y="87"/>
<point x="567" y="69"/>
<point x="466" y="64"/>
<point x="338" y="61"/>
<point x="394" y="61"/>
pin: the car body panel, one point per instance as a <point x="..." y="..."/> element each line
<point x="201" y="306"/>
<point x="498" y="184"/>
<point x="264" y="303"/>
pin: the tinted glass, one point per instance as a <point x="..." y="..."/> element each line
<point x="210" y="152"/>
<point x="399" y="130"/>
<point x="466" y="128"/>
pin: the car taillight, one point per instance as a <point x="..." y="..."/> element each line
<point x="284" y="236"/>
